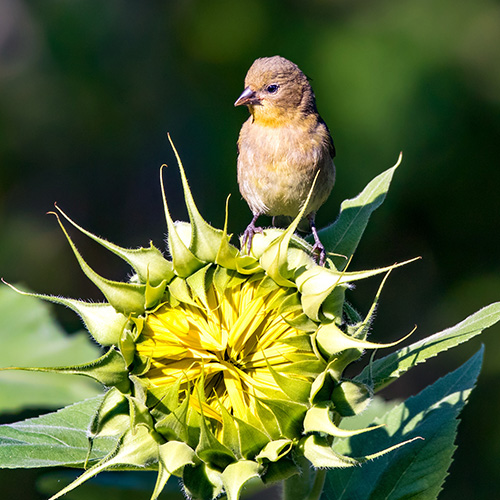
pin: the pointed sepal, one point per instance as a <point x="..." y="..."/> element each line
<point x="102" y="320"/>
<point x="133" y="450"/>
<point x="109" y="370"/>
<point x="332" y="340"/>
<point x="275" y="258"/>
<point x="237" y="474"/>
<point x="185" y="262"/>
<point x="319" y="419"/>
<point x="205" y="239"/>
<point x="148" y="263"/>
<point x="126" y="298"/>
<point x="275" y="450"/>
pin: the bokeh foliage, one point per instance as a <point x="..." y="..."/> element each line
<point x="89" y="89"/>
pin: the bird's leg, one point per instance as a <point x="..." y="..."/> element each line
<point x="318" y="246"/>
<point x="249" y="233"/>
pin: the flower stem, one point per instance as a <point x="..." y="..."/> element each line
<point x="306" y="486"/>
<point x="319" y="482"/>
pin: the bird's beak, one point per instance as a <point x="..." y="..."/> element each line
<point x="247" y="97"/>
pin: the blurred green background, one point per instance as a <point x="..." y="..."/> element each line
<point x="89" y="89"/>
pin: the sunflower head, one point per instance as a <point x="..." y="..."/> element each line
<point x="223" y="366"/>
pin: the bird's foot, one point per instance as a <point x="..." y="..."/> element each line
<point x="246" y="241"/>
<point x="318" y="250"/>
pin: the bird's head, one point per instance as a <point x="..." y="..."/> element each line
<point x="276" y="91"/>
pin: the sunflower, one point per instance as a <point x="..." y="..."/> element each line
<point x="223" y="366"/>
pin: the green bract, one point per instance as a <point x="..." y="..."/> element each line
<point x="221" y="366"/>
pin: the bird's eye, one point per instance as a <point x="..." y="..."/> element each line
<point x="273" y="88"/>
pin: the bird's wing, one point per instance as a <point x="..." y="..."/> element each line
<point x="330" y="140"/>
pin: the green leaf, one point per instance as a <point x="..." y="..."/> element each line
<point x="54" y="439"/>
<point x="417" y="470"/>
<point x="350" y="398"/>
<point x="30" y="336"/>
<point x="342" y="237"/>
<point x="385" y="370"/>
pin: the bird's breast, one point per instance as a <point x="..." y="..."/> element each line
<point x="277" y="165"/>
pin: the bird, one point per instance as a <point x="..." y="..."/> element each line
<point x="283" y="147"/>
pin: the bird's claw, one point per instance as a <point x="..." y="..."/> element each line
<point x="246" y="240"/>
<point x="319" y="252"/>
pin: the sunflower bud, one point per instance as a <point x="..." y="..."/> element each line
<point x="223" y="366"/>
